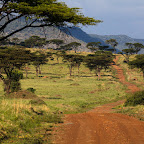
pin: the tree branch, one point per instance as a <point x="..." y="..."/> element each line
<point x="27" y="26"/>
<point x="2" y="77"/>
<point x="9" y="21"/>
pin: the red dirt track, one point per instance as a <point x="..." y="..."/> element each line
<point x="100" y="126"/>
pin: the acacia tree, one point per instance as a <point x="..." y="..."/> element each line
<point x="15" y="40"/>
<point x="78" y="59"/>
<point x="72" y="61"/>
<point x="129" y="45"/>
<point x="12" y="59"/>
<point x="57" y="42"/>
<point x="58" y="54"/>
<point x="39" y="13"/>
<point x="74" y="46"/>
<point x="138" y="63"/>
<point x="127" y="53"/>
<point x="93" y="46"/>
<point x="35" y="41"/>
<point x="113" y="43"/>
<point x="38" y="59"/>
<point x="137" y="47"/>
<point x="98" y="61"/>
<point x="69" y="59"/>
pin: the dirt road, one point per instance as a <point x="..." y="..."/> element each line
<point x="100" y="126"/>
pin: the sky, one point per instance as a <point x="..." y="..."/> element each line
<point x="125" y="17"/>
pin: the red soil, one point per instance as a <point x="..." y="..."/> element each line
<point x="100" y="126"/>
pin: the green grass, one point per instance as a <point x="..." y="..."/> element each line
<point x="19" y="124"/>
<point x="134" y="76"/>
<point x="73" y="94"/>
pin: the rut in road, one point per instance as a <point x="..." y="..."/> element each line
<point x="100" y="126"/>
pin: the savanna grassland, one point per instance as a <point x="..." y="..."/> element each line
<point x="30" y="119"/>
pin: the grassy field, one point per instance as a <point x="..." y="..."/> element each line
<point x="61" y="94"/>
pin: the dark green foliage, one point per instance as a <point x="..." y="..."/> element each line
<point x="72" y="61"/>
<point x="127" y="53"/>
<point x="98" y="61"/>
<point x="15" y="86"/>
<point x="138" y="63"/>
<point x="137" y="47"/>
<point x="4" y="42"/>
<point x="57" y="42"/>
<point x="74" y="46"/>
<point x="93" y="46"/>
<point x="10" y="60"/>
<point x="35" y="41"/>
<point x="71" y="46"/>
<point x="31" y="90"/>
<point x="16" y="75"/>
<point x="135" y="99"/>
<point x="39" y="58"/>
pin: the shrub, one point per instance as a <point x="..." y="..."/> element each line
<point x="31" y="90"/>
<point x="15" y="86"/>
<point x="15" y="77"/>
<point x="136" y="99"/>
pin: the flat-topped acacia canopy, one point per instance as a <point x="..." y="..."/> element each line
<point x="40" y="13"/>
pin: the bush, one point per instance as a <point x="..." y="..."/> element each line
<point x="31" y="90"/>
<point x="15" y="86"/>
<point x="15" y="77"/>
<point x="136" y="99"/>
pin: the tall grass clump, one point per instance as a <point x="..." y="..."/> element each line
<point x="23" y="123"/>
<point x="136" y="99"/>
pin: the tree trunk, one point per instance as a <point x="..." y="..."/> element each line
<point x="7" y="84"/>
<point x="115" y="50"/>
<point x="26" y="70"/>
<point x="70" y="68"/>
<point x="37" y="71"/>
<point x="78" y="69"/>
<point x="99" y="76"/>
<point x="57" y="60"/>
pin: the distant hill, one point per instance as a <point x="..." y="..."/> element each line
<point x="70" y="35"/>
<point x="48" y="32"/>
<point x="81" y="35"/>
<point x="121" y="39"/>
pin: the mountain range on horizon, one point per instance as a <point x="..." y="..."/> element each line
<point x="72" y="34"/>
<point x="121" y="39"/>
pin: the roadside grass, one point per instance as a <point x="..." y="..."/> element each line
<point x="133" y="76"/>
<point x="19" y="124"/>
<point x="135" y="111"/>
